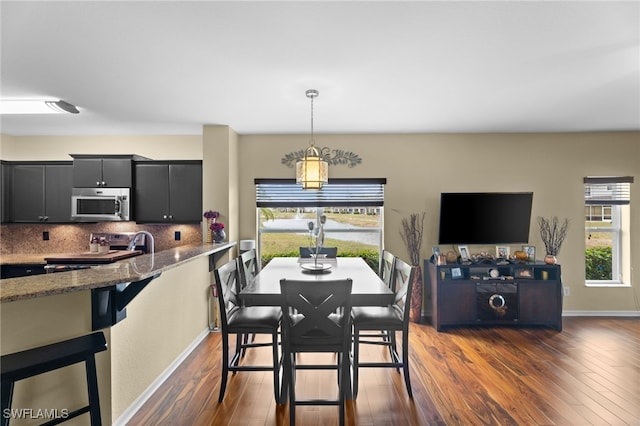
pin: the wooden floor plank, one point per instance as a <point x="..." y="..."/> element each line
<point x="588" y="374"/>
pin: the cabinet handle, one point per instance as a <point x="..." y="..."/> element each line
<point x="164" y="217"/>
<point x="170" y="217"/>
<point x="103" y="183"/>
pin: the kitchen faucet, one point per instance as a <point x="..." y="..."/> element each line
<point x="132" y="243"/>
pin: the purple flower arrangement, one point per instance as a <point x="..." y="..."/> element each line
<point x="210" y="214"/>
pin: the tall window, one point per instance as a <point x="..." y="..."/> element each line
<point x="353" y="209"/>
<point x="607" y="230"/>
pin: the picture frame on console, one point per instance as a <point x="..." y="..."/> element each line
<point x="464" y="253"/>
<point x="523" y="272"/>
<point x="502" y="252"/>
<point x="456" y="274"/>
<point x="531" y="253"/>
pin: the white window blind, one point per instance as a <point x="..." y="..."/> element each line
<point x="336" y="193"/>
<point x="607" y="190"/>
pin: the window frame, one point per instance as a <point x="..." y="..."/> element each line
<point x="610" y="194"/>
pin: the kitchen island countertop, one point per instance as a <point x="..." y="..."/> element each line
<point x="124" y="271"/>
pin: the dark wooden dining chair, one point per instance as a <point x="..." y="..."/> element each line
<point x="240" y="320"/>
<point x="391" y="318"/>
<point x="388" y="337"/>
<point x="310" y="324"/>
<point x="330" y="252"/>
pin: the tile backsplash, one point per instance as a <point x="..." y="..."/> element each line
<point x="68" y="238"/>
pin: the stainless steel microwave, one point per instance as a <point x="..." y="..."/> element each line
<point x="100" y="204"/>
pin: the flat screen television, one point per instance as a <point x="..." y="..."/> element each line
<point x="485" y="217"/>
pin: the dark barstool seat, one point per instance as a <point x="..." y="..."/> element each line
<point x="31" y="362"/>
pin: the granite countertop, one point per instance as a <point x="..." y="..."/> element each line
<point x="128" y="270"/>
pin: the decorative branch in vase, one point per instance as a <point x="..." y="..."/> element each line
<point x="553" y="232"/>
<point x="411" y="233"/>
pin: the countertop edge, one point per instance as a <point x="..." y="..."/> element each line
<point x="127" y="270"/>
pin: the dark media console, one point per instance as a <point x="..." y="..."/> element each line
<point x="523" y="294"/>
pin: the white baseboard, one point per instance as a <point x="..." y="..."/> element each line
<point x="144" y="396"/>
<point x="601" y="313"/>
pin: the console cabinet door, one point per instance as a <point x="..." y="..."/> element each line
<point x="457" y="302"/>
<point x="540" y="302"/>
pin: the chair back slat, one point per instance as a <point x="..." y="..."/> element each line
<point x="249" y="267"/>
<point x="387" y="262"/>
<point x="313" y="314"/>
<point x="403" y="282"/>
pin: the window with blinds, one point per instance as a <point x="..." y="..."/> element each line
<point x="351" y="208"/>
<point x="607" y="190"/>
<point x="336" y="193"/>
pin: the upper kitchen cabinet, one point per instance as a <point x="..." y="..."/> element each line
<point x="42" y="192"/>
<point x="6" y="186"/>
<point x="112" y="171"/>
<point x="168" y="191"/>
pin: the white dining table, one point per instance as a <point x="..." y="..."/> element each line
<point x="367" y="288"/>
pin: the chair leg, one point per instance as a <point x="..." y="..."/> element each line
<point x="7" y="395"/>
<point x="405" y="362"/>
<point x="276" y="367"/>
<point x="356" y="362"/>
<point x="235" y="361"/>
<point x="291" y="374"/>
<point x="343" y="360"/>
<point x="92" y="386"/>
<point x="225" y="365"/>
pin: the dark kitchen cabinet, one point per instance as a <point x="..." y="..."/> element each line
<point x="102" y="172"/>
<point x="6" y="186"/>
<point x="15" y="271"/>
<point x="168" y="191"/>
<point x="42" y="192"/>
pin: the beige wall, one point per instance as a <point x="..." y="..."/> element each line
<point x="418" y="167"/>
<point x="58" y="148"/>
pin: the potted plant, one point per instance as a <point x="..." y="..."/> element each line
<point x="411" y="233"/>
<point x="553" y="233"/>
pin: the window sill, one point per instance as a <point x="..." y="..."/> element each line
<point x="607" y="284"/>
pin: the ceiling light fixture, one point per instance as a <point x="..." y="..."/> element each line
<point x="36" y="107"/>
<point x="312" y="171"/>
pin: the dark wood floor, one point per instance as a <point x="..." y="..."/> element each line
<point x="588" y="374"/>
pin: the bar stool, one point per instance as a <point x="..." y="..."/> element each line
<point x="32" y="362"/>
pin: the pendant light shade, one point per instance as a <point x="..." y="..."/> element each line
<point x="312" y="171"/>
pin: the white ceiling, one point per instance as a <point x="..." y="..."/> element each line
<point x="157" y="68"/>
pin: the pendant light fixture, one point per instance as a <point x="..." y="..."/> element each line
<point x="312" y="171"/>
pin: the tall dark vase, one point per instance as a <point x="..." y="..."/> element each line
<point x="415" y="312"/>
